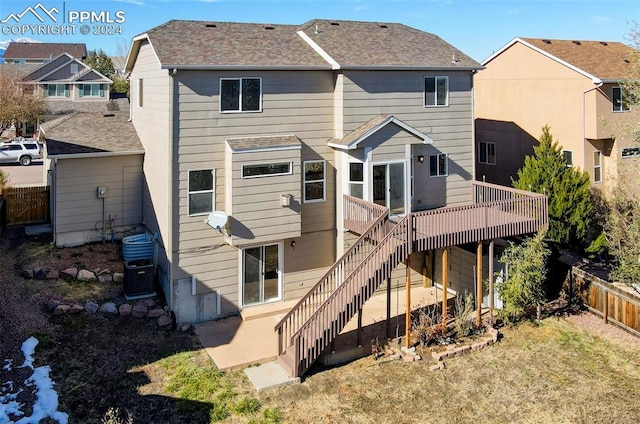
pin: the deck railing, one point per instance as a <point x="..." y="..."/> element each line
<point x="319" y="317"/>
<point x="330" y="318"/>
<point x="370" y="219"/>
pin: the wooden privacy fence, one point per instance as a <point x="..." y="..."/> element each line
<point x="26" y="205"/>
<point x="614" y="304"/>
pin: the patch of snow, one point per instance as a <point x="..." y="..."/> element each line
<point x="7" y="365"/>
<point x="28" y="349"/>
<point x="5" y="44"/>
<point x="46" y="403"/>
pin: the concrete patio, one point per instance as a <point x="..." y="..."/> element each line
<point x="240" y="341"/>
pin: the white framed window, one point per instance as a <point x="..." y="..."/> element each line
<point x="240" y="95"/>
<point x="356" y="179"/>
<point x="567" y="155"/>
<point x="266" y="169"/>
<point x="314" y="181"/>
<point x="436" y="91"/>
<point x="91" y="90"/>
<point x="56" y="90"/>
<point x="439" y="165"/>
<point x="487" y="153"/>
<point x="629" y="152"/>
<point x="597" y="166"/>
<point x="74" y="68"/>
<point x="201" y="191"/>
<point x="140" y="92"/>
<point x="620" y="103"/>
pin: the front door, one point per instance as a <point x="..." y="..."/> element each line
<point x="389" y="186"/>
<point x="261" y="274"/>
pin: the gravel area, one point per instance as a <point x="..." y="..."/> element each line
<point x="596" y="326"/>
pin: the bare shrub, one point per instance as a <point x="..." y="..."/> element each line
<point x="463" y="315"/>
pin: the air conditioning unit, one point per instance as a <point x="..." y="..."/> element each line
<point x="138" y="278"/>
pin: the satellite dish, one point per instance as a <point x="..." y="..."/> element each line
<point x="217" y="220"/>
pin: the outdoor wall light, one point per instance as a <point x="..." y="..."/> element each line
<point x="421" y="158"/>
<point x="285" y="200"/>
<point x="293" y="244"/>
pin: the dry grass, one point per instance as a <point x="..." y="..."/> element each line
<point x="553" y="373"/>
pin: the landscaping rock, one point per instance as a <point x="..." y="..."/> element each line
<point x="40" y="273"/>
<point x="76" y="309"/>
<point x="395" y="357"/>
<point x="125" y="309"/>
<point x="69" y="273"/>
<point x="139" y="311"/>
<point x="91" y="307"/>
<point x="165" y="320"/>
<point x="185" y="327"/>
<point x="52" y="305"/>
<point x="149" y="302"/>
<point x="155" y="313"/>
<point x="118" y="277"/>
<point x="104" y="271"/>
<point x="105" y="278"/>
<point x="109" y="308"/>
<point x="26" y="273"/>
<point x="86" y="276"/>
<point x="61" y="309"/>
<point x="52" y="275"/>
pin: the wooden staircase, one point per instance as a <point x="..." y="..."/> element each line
<point x="317" y="319"/>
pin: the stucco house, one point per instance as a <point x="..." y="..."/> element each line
<point x="339" y="153"/>
<point x="571" y="85"/>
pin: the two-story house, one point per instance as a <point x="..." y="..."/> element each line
<point x="311" y="162"/>
<point x="572" y="86"/>
<point x="38" y="53"/>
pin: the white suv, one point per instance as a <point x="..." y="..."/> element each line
<point x="22" y="151"/>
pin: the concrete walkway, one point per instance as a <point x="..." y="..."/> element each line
<point x="237" y="342"/>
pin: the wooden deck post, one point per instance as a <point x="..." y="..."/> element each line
<point x="445" y="283"/>
<point x="359" y="333"/>
<point x="479" y="285"/>
<point x="388" y="307"/>
<point x="407" y="320"/>
<point x="491" y="283"/>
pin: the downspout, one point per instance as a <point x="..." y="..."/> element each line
<point x="584" y="119"/>
<point x="169" y="242"/>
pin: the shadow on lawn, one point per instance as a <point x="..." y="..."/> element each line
<point x="92" y="358"/>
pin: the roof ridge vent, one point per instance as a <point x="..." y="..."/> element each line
<point x="210" y="25"/>
<point x="269" y="27"/>
<point x="546" y="41"/>
<point x="577" y="43"/>
<point x="383" y="26"/>
<point x="334" y="23"/>
<point x="604" y="43"/>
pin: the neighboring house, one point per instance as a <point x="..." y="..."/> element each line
<point x="572" y="86"/>
<point x="307" y="137"/>
<point x="118" y="65"/>
<point x="67" y="83"/>
<point x="21" y="52"/>
<point x="93" y="163"/>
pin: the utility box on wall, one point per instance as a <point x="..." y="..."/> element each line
<point x="101" y="192"/>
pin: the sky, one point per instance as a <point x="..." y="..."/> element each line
<point x="476" y="27"/>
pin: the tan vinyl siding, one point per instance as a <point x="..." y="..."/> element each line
<point x="401" y="94"/>
<point x="461" y="270"/>
<point x="299" y="103"/>
<point x="78" y="208"/>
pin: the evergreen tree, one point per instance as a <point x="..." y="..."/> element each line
<point x="102" y="63"/>
<point x="571" y="210"/>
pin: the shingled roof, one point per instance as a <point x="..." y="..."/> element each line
<point x="317" y="44"/>
<point x="19" y="50"/>
<point x="91" y="133"/>
<point x="604" y="60"/>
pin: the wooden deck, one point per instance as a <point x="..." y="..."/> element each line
<point x="495" y="212"/>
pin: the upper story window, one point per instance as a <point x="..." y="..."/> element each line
<point x="140" y="97"/>
<point x="56" y="90"/>
<point x="439" y="165"/>
<point x="567" y="155"/>
<point x="240" y="95"/>
<point x="629" y="152"/>
<point x="597" y="166"/>
<point x="487" y="153"/>
<point x="74" y="68"/>
<point x="619" y="100"/>
<point x="201" y="191"/>
<point x="91" y="90"/>
<point x="314" y="181"/>
<point x="436" y="91"/>
<point x="266" y="170"/>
